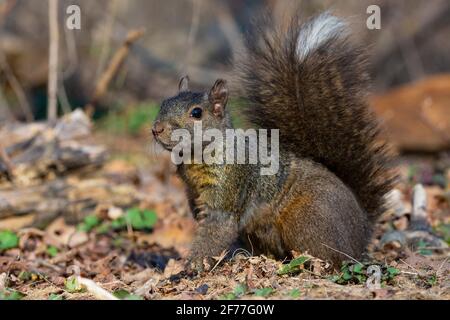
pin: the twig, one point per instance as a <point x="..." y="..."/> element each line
<point x="52" y="111"/>
<point x="348" y="256"/>
<point x="229" y="26"/>
<point x="419" y="203"/>
<point x="17" y="88"/>
<point x="72" y="54"/>
<point x="241" y="250"/>
<point x="113" y="67"/>
<point x="44" y="263"/>
<point x="106" y="37"/>
<point x="71" y="51"/>
<point x="62" y="96"/>
<point x="441" y="266"/>
<point x="95" y="289"/>
<point x="3" y="278"/>
<point x="220" y="259"/>
<point x="5" y="112"/>
<point x="6" y="162"/>
<point x="192" y="33"/>
<point x="149" y="60"/>
<point x="410" y="266"/>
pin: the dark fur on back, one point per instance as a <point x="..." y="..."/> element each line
<point x="315" y="93"/>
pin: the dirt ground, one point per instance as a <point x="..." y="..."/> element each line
<point x="147" y="263"/>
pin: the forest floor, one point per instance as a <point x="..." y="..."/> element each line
<point x="139" y="252"/>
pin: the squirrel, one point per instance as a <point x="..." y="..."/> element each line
<point x="310" y="82"/>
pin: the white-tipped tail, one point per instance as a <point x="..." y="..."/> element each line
<point x="318" y="31"/>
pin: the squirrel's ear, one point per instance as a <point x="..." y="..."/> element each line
<point x="183" y="84"/>
<point x="218" y="97"/>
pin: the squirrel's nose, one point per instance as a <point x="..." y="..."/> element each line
<point x="158" y="128"/>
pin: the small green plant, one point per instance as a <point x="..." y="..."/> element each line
<point x="52" y="251"/>
<point x="294" y="266"/>
<point x="72" y="285"/>
<point x="422" y="248"/>
<point x="239" y="291"/>
<point x="8" y="240"/>
<point x="123" y="294"/>
<point x="25" y="275"/>
<point x="263" y="292"/>
<point x="54" y="296"/>
<point x="89" y="223"/>
<point x="294" y="293"/>
<point x="9" y="294"/>
<point x="137" y="219"/>
<point x="131" y="120"/>
<point x="356" y="273"/>
<point x="432" y="280"/>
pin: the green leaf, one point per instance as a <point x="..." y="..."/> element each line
<point x="25" y="275"/>
<point x="432" y="280"/>
<point x="347" y="276"/>
<point x="361" y="278"/>
<point x="125" y="295"/>
<point x="141" y="219"/>
<point x="393" y="271"/>
<point x="334" y="278"/>
<point x="264" y="292"/>
<point x="52" y="251"/>
<point x="298" y="261"/>
<point x="72" y="285"/>
<point x="9" y="294"/>
<point x="121" y="293"/>
<point x="422" y="246"/>
<point x="134" y="297"/>
<point x="133" y="217"/>
<point x="292" y="266"/>
<point x="150" y="218"/>
<point x="54" y="296"/>
<point x="119" y="223"/>
<point x="357" y="268"/>
<point x="240" y="290"/>
<point x="8" y="240"/>
<point x="295" y="293"/>
<point x="89" y="223"/>
<point x="228" y="296"/>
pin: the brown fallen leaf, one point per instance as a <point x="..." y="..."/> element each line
<point x="3" y="279"/>
<point x="173" y="267"/>
<point x="58" y="233"/>
<point x="77" y="239"/>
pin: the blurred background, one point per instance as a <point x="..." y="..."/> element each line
<point x="195" y="37"/>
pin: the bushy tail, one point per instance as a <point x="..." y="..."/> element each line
<point x="310" y="82"/>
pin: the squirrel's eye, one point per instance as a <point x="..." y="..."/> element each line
<point x="196" y="113"/>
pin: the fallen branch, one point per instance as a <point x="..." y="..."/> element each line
<point x="113" y="67"/>
<point x="97" y="291"/>
<point x="3" y="278"/>
<point x="52" y="111"/>
<point x="6" y="166"/>
<point x="17" y="88"/>
<point x="419" y="215"/>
